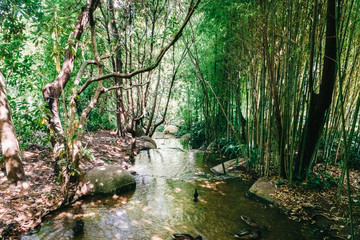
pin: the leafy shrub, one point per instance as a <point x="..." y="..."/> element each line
<point x="98" y="121"/>
<point x="230" y="148"/>
<point x="28" y="118"/>
<point x="318" y="181"/>
<point x="160" y="128"/>
<point x="197" y="135"/>
<point x="182" y="130"/>
<point x="86" y="154"/>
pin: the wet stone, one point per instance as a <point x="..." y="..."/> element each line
<point x="109" y="180"/>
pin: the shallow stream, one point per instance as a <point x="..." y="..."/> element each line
<point x="162" y="204"/>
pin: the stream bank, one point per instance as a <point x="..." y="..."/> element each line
<point x="21" y="212"/>
<point x="163" y="203"/>
<point x="23" y="207"/>
<point x="318" y="208"/>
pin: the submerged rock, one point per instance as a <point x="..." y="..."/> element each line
<point x="108" y="180"/>
<point x="249" y="221"/>
<point x="248" y="234"/>
<point x="196" y="195"/>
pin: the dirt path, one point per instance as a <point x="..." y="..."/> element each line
<point x="22" y="207"/>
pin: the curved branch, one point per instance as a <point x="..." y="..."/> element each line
<point x="87" y="62"/>
<point x="104" y="90"/>
<point x="191" y="10"/>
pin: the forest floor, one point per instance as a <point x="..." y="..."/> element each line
<point x="23" y="207"/>
<point x="320" y="207"/>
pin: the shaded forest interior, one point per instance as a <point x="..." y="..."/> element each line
<point x="274" y="82"/>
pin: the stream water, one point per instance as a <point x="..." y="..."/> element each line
<point x="162" y="204"/>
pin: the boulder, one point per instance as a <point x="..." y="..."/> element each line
<point x="185" y="137"/>
<point x="148" y="146"/>
<point x="146" y="143"/>
<point x="230" y="167"/>
<point x="262" y="190"/>
<point x="171" y="129"/>
<point x="109" y="180"/>
<point x="148" y="139"/>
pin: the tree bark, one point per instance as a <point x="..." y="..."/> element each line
<point x="10" y="146"/>
<point x="320" y="102"/>
<point x="117" y="67"/>
<point x="52" y="91"/>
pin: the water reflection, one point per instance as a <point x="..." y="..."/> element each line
<point x="162" y="204"/>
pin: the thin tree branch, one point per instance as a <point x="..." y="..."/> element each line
<point x="191" y="10"/>
<point x="104" y="90"/>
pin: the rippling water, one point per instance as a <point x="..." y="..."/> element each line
<point x="162" y="204"/>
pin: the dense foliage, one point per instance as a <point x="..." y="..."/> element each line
<point x="242" y="76"/>
<point x="255" y="68"/>
<point x="274" y="82"/>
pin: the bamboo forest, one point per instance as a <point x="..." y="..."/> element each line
<point x="180" y="119"/>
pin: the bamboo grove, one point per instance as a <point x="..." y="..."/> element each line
<point x="263" y="80"/>
<point x="274" y="82"/>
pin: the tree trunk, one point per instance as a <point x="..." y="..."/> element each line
<point x="10" y="146"/>
<point x="320" y="103"/>
<point x="52" y="91"/>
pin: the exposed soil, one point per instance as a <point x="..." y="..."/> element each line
<point x="22" y="207"/>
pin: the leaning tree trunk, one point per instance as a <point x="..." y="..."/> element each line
<point x="320" y="103"/>
<point x="10" y="146"/>
<point x="52" y="91"/>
